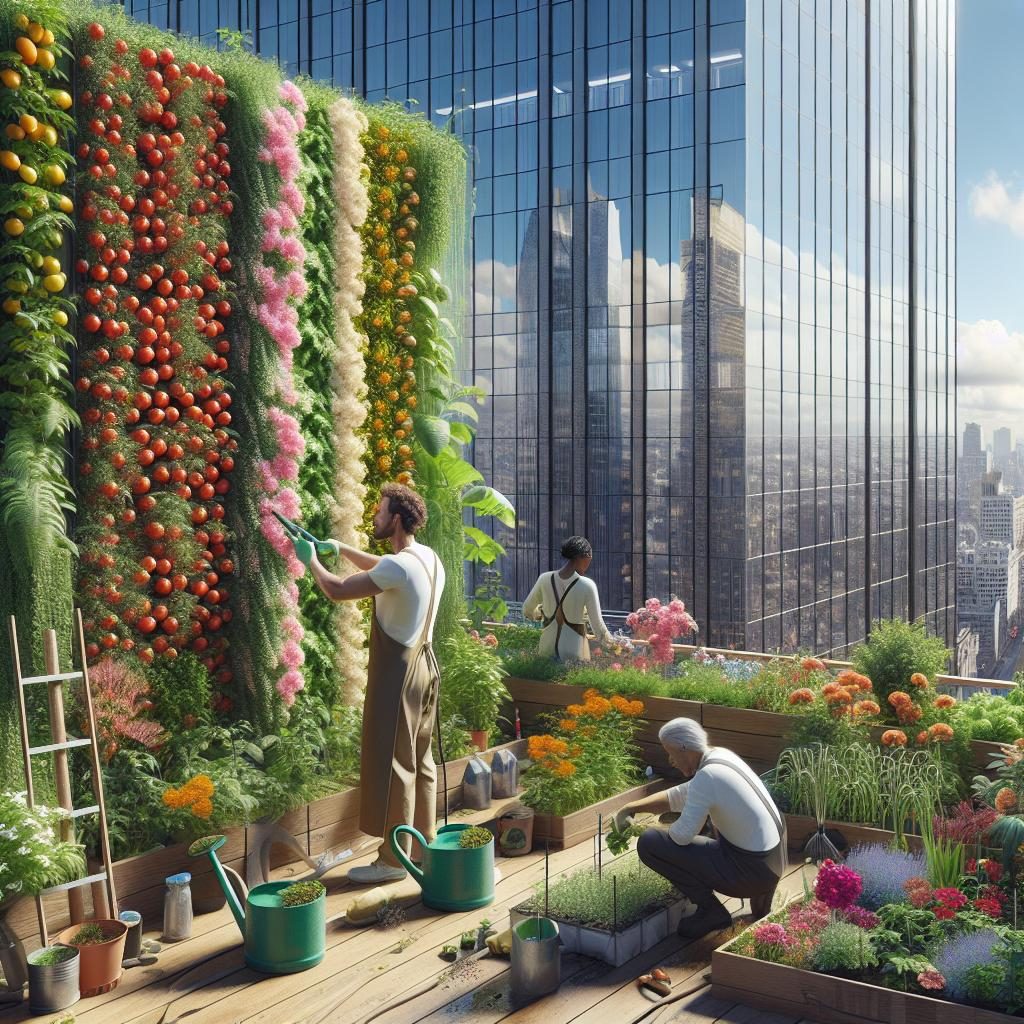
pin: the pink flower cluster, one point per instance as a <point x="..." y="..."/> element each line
<point x="280" y="223"/>
<point x="772" y="934"/>
<point x="931" y="979"/>
<point x="659" y="624"/>
<point x="809" y="917"/>
<point x="837" y="886"/>
<point x="281" y="284"/>
<point x="861" y="917"/>
<point x="490" y="640"/>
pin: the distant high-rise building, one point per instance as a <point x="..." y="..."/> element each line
<point x="1001" y="447"/>
<point x="972" y="440"/>
<point x="713" y="275"/>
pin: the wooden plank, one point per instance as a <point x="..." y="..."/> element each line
<point x="336" y="807"/>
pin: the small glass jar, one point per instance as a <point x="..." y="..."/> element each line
<point x="178" y="907"/>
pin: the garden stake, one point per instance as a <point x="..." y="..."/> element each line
<point x="547" y="854"/>
<point x="599" y="837"/>
<point x="615" y="905"/>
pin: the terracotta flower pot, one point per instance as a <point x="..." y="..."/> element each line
<point x="99" y="962"/>
<point x="479" y="738"/>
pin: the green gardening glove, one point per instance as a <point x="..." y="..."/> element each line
<point x="304" y="550"/>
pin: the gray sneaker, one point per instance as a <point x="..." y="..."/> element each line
<point x="375" y="874"/>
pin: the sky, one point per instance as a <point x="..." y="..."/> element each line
<point x="990" y="215"/>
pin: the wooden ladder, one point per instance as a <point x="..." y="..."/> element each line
<point x="54" y="680"/>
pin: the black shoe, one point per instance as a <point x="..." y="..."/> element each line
<point x="710" y="918"/>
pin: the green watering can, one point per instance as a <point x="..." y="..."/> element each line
<point x="452" y="878"/>
<point x="277" y="939"/>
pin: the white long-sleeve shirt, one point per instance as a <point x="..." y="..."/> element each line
<point x="729" y="799"/>
<point x="581" y="605"/>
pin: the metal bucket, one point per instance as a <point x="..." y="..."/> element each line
<point x="504" y="774"/>
<point x="476" y="785"/>
<point x="536" y="958"/>
<point x="52" y="987"/>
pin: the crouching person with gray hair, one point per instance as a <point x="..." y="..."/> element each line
<point x="748" y="856"/>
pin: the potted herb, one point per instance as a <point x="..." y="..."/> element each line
<point x="101" y="948"/>
<point x="611" y="915"/>
<point x="32" y="858"/>
<point x="471" y="683"/>
<point x="53" y="978"/>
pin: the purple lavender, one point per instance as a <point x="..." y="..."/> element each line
<point x="883" y="872"/>
<point x="955" y="959"/>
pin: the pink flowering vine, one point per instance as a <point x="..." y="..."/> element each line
<point x="281" y="284"/>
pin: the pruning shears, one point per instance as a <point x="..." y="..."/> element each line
<point x="322" y="547"/>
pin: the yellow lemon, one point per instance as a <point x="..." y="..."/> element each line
<point x="54" y="174"/>
<point x="48" y="37"/>
<point x="28" y="174"/>
<point x="51" y="265"/>
<point x="10" y="78"/>
<point x="14" y="226"/>
<point x="49" y="135"/>
<point x="60" y="97"/>
<point x="60" y="318"/>
<point x="11" y="306"/>
<point x="16" y="284"/>
<point x="35" y="31"/>
<point x="9" y="160"/>
<point x="21" y="21"/>
<point x="54" y="282"/>
<point x="27" y="49"/>
<point x="45" y="60"/>
<point x="66" y="205"/>
<point x="14" y="132"/>
<point x="28" y="123"/>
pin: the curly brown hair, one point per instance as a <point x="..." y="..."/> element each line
<point x="406" y="503"/>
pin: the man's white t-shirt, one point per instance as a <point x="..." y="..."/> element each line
<point x="728" y="797"/>
<point x="405" y="592"/>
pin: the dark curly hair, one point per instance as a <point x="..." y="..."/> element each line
<point x="406" y="503"/>
<point x="577" y="547"/>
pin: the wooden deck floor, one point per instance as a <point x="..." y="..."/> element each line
<point x="204" y="980"/>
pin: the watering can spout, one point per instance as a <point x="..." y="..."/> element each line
<point x="209" y="845"/>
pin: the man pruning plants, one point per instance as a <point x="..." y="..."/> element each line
<point x="748" y="856"/>
<point x="398" y="779"/>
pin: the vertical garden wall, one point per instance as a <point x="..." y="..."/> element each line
<point x="221" y="298"/>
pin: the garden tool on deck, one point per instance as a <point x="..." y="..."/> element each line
<point x="268" y="834"/>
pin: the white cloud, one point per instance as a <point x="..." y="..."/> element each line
<point x="990" y="376"/>
<point x="993" y="201"/>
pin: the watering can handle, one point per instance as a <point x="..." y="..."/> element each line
<point x="400" y="853"/>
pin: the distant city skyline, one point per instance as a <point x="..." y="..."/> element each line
<point x="990" y="218"/>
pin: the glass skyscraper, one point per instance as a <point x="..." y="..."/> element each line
<point x="713" y="284"/>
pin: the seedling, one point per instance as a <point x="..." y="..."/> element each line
<point x="88" y="935"/>
<point x="468" y="940"/>
<point x="474" y="837"/>
<point x="301" y="893"/>
<point x="51" y="956"/>
<point x="449" y="952"/>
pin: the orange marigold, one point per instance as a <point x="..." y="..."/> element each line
<point x="1006" y="800"/>
<point x="635" y="709"/>
<point x="829" y="688"/>
<point x="941" y="732"/>
<point x="567" y="724"/>
<point x="574" y="710"/>
<point x="591" y="693"/>
<point x="894" y="738"/>
<point x="597" y="707"/>
<point x="620" y="704"/>
<point x="172" y="798"/>
<point x="908" y="714"/>
<point x="802" y="696"/>
<point x="864" y="683"/>
<point x="564" y="769"/>
<point x="867" y="707"/>
<point x="920" y="680"/>
<point x="203" y="807"/>
<point x="943" y="701"/>
<point x="812" y="665"/>
<point x="922" y="737"/>
<point x="899" y="699"/>
<point x="839" y="697"/>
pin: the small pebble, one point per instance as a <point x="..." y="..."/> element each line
<point x="151" y="946"/>
<point x="146" y="959"/>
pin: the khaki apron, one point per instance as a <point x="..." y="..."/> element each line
<point x="398" y="780"/>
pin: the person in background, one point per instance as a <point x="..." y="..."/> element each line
<point x="564" y="601"/>
<point x="398" y="782"/>
<point x="749" y="856"/>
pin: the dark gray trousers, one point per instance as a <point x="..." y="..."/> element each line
<point x="706" y="866"/>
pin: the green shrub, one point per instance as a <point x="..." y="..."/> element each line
<point x="180" y="691"/>
<point x="533" y="666"/>
<point x="471" y="681"/>
<point x="474" y="837"/>
<point x="844" y="947"/>
<point x="896" y="650"/>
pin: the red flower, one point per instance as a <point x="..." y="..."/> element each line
<point x="989" y="906"/>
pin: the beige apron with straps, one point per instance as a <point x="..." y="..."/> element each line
<point x="398" y="781"/>
<point x="558" y="615"/>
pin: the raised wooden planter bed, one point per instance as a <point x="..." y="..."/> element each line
<point x="757" y="736"/>
<point x="561" y="832"/>
<point x="830" y="1000"/>
<point x="801" y="827"/>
